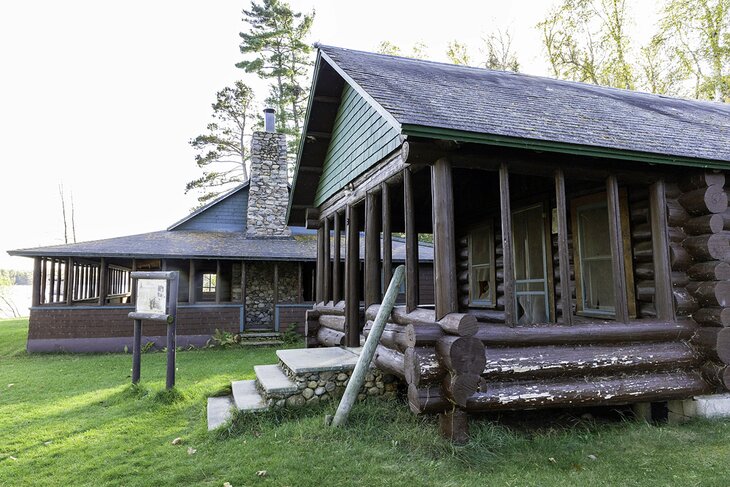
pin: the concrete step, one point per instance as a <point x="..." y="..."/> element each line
<point x="260" y="334"/>
<point x="263" y="343"/>
<point x="220" y="411"/>
<point x="274" y="381"/>
<point x="327" y="359"/>
<point x="246" y="397"/>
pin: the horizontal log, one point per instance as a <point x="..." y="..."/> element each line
<point x="422" y="366"/>
<point x="714" y="342"/>
<point x="453" y="323"/>
<point x="647" y="310"/>
<point x="705" y="224"/>
<point x="536" y="362"/>
<point x="331" y="308"/>
<point x="333" y="322"/>
<point x="708" y="247"/>
<point x="459" y="324"/>
<point x="676" y="234"/>
<point x="679" y="258"/>
<point x="604" y="391"/>
<point x="461" y="355"/>
<point x="712" y="316"/>
<point x="713" y="270"/>
<point x="641" y="232"/>
<point x="643" y="252"/>
<point x="645" y="289"/>
<point x="644" y="271"/>
<point x="462" y="277"/>
<point x="684" y="303"/>
<point x="396" y="337"/>
<point x="717" y="375"/>
<point x="423" y="334"/>
<point x="459" y="387"/>
<point x="487" y="315"/>
<point x="676" y="214"/>
<point x="711" y="199"/>
<point x="330" y="338"/>
<point x="639" y="215"/>
<point x="710" y="293"/>
<point x="390" y="361"/>
<point x="427" y="400"/>
<point x="700" y="180"/>
<point x="587" y="333"/>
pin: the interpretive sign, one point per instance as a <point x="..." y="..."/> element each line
<point x="151" y="296"/>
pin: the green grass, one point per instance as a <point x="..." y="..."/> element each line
<point x="74" y="420"/>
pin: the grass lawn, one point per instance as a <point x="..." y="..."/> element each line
<point x="74" y="420"/>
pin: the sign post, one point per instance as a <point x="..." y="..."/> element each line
<point x="156" y="301"/>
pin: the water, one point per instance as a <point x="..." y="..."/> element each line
<point x="19" y="296"/>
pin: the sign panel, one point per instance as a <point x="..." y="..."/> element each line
<point x="152" y="296"/>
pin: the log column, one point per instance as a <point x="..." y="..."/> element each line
<point x="218" y="283"/>
<point x="102" y="278"/>
<point x="444" y="242"/>
<point x="563" y="252"/>
<point x="191" y="282"/>
<point x="663" y="300"/>
<point x="412" y="288"/>
<point x="617" y="250"/>
<point x="352" y="278"/>
<point x="387" y="235"/>
<point x="37" y="262"/>
<point x="243" y="295"/>
<point x="336" y="256"/>
<point x="372" y="250"/>
<point x="319" y="293"/>
<point x="69" y="284"/>
<point x="327" y="269"/>
<point x="510" y="315"/>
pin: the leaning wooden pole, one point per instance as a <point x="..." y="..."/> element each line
<point x="366" y="356"/>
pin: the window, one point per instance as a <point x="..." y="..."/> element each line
<point x="209" y="282"/>
<point x="481" y="267"/>
<point x="592" y="254"/>
<point x="530" y="261"/>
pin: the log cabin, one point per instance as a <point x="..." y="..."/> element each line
<point x="242" y="270"/>
<point x="581" y="233"/>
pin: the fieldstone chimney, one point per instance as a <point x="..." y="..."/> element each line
<point x="268" y="195"/>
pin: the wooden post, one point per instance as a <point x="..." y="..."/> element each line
<point x="372" y="250"/>
<point x="36" y="300"/>
<point x="563" y="252"/>
<point x="327" y="270"/>
<point x="163" y="264"/>
<point x="132" y="286"/>
<point x="191" y="282"/>
<point x="59" y="279"/>
<point x="387" y="233"/>
<point x="136" y="351"/>
<point x="68" y="288"/>
<point x="102" y="281"/>
<point x="44" y="276"/>
<point x="617" y="250"/>
<point x="454" y="426"/>
<point x="336" y="266"/>
<point x="218" y="281"/>
<point x="444" y="241"/>
<point x="352" y="277"/>
<point x="412" y="292"/>
<point x="663" y="298"/>
<point x="276" y="293"/>
<point x="300" y="292"/>
<point x="172" y="331"/>
<point x="510" y="315"/>
<point x="319" y="294"/>
<point x="52" y="281"/>
<point x="77" y="282"/>
<point x="243" y="296"/>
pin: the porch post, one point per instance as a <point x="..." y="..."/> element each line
<point x="327" y="271"/>
<point x="412" y="293"/>
<point x="218" y="281"/>
<point x="663" y="298"/>
<point x="102" y="282"/>
<point x="299" y="283"/>
<point x="68" y="288"/>
<point x="320" y="264"/>
<point x="36" y="300"/>
<point x="191" y="282"/>
<point x="387" y="236"/>
<point x="617" y="250"/>
<point x="563" y="253"/>
<point x="243" y="295"/>
<point x="507" y="242"/>
<point x="444" y="241"/>
<point x="276" y="295"/>
<point x="372" y="250"/>
<point x="132" y="282"/>
<point x="52" y="282"/>
<point x="352" y="265"/>
<point x="44" y="271"/>
<point x="336" y="266"/>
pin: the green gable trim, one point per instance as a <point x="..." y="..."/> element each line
<point x="361" y="137"/>
<point x="564" y="148"/>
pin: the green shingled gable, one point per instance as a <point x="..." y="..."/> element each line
<point x="360" y="138"/>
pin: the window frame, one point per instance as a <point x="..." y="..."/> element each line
<point x="593" y="200"/>
<point x="207" y="289"/>
<point x="492" y="301"/>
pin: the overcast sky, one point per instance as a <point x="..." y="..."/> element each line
<point x="103" y="96"/>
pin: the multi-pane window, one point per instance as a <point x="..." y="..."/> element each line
<point x="594" y="255"/>
<point x="209" y="283"/>
<point x="481" y="267"/>
<point x="530" y="262"/>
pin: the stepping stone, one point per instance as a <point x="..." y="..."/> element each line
<point x="274" y="381"/>
<point x="220" y="411"/>
<point x="246" y="397"/>
<point x="327" y="359"/>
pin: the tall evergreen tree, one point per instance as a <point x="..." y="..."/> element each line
<point x="222" y="152"/>
<point x="276" y="50"/>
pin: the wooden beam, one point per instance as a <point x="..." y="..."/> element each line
<point x="276" y="286"/>
<point x="36" y="299"/>
<point x="191" y="282"/>
<point x="327" y="271"/>
<point x="563" y="251"/>
<point x="510" y="315"/>
<point x="352" y="278"/>
<point x="372" y="249"/>
<point x="311" y="218"/>
<point x="320" y="265"/>
<point x="218" y="286"/>
<point x="102" y="278"/>
<point x="133" y="287"/>
<point x="52" y="282"/>
<point x="336" y="256"/>
<point x="409" y="203"/>
<point x="300" y="292"/>
<point x="387" y="234"/>
<point x="243" y="293"/>
<point x="444" y="241"/>
<point x="663" y="300"/>
<point x="617" y="250"/>
<point x="68" y="288"/>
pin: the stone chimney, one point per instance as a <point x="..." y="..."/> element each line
<point x="268" y="196"/>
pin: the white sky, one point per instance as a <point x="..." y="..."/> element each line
<point x="103" y="96"/>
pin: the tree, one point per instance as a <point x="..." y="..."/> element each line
<point x="458" y="53"/>
<point x="586" y="40"/>
<point x="696" y="33"/>
<point x="277" y="51"/>
<point x="495" y="53"/>
<point x="418" y="51"/>
<point x="62" y="195"/>
<point x="222" y="153"/>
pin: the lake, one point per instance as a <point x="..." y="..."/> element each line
<point x="19" y="296"/>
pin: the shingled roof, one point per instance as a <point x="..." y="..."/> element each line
<point x="421" y="94"/>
